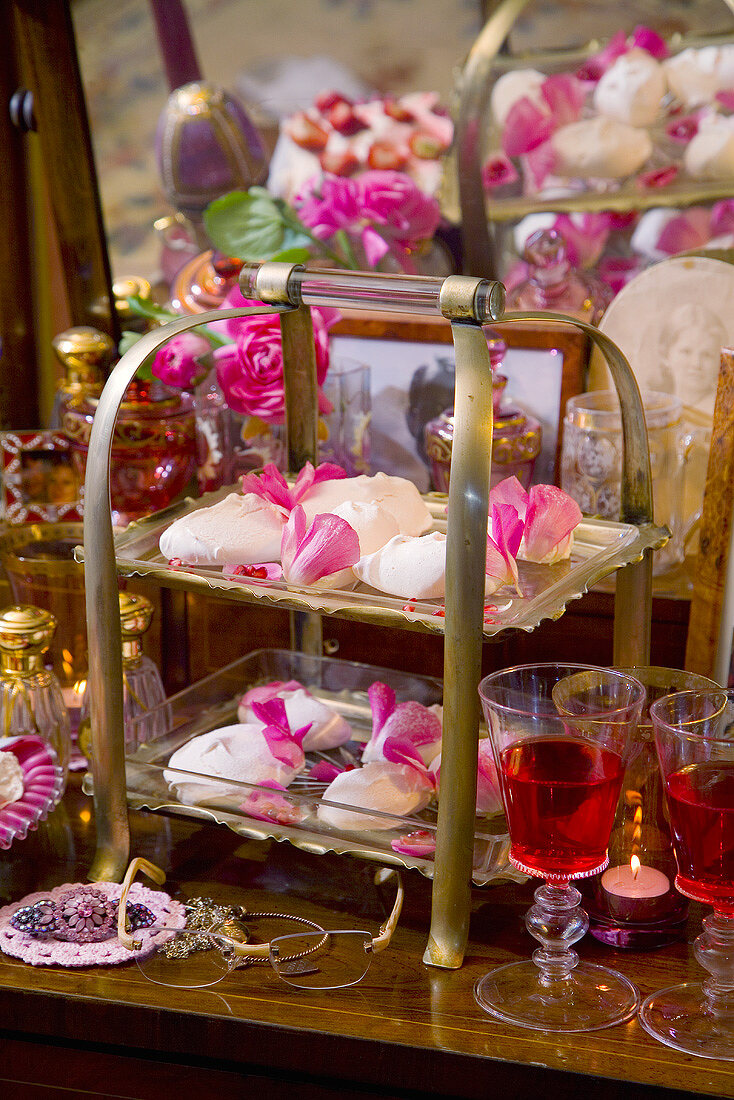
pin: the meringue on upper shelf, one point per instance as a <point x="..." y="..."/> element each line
<point x="600" y="148"/>
<point x="632" y="89"/>
<point x="242" y="529"/>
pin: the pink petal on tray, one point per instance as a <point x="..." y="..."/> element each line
<point x="565" y="96"/>
<point x="509" y="491"/>
<point x="265" y="692"/>
<point x="498" y="170"/>
<point x="382" y="704"/>
<point x="503" y="545"/>
<point x="526" y="127"/>
<point x="312" y="551"/>
<point x="551" y="517"/>
<point x="645" y="38"/>
<point x="421" y="844"/>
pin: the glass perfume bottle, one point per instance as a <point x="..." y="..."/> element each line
<point x="85" y="353"/>
<point x="553" y="284"/>
<point x="143" y="690"/>
<point x="516" y="438"/>
<point x="31" y="703"/>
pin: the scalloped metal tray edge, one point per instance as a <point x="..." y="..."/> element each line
<point x="601" y="547"/>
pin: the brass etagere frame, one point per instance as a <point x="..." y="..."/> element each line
<point x="468" y="304"/>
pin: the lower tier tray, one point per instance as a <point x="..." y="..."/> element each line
<point x="342" y="685"/>
<point x="600" y="547"/>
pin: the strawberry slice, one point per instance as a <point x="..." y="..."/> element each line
<point x="424" y="145"/>
<point x="340" y="162"/>
<point x="326" y="100"/>
<point x="344" y="120"/>
<point x="385" y="157"/>
<point x="306" y="132"/>
<point x="393" y="108"/>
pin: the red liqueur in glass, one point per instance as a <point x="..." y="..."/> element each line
<point x="560" y="796"/>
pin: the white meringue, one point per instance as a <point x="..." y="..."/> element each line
<point x="632" y="89"/>
<point x="511" y="87"/>
<point x="374" y="524"/>
<point x="396" y="495"/>
<point x="600" y="148"/>
<point x="409" y="567"/>
<point x="11" y="779"/>
<point x="396" y="789"/>
<point x="710" y="154"/>
<point x="242" y="529"/>
<point x="328" y="729"/>
<point x="238" y="752"/>
<point x="695" y="75"/>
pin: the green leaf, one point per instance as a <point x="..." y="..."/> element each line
<point x="292" y="256"/>
<point x="143" y="307"/>
<point x="250" y="225"/>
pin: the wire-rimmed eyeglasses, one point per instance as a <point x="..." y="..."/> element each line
<point x="201" y="956"/>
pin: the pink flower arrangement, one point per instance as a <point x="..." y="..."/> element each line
<point x="250" y="370"/>
<point x="382" y="211"/>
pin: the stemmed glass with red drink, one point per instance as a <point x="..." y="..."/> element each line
<point x="694" y="737"/>
<point x="561" y="736"/>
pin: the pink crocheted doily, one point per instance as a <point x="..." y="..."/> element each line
<point x="48" y="952"/>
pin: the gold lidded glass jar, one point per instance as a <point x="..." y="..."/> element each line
<point x="143" y="689"/>
<point x="31" y="703"/>
<point x="85" y="353"/>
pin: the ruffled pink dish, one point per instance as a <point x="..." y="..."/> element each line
<point x="44" y="951"/>
<point x="43" y="786"/>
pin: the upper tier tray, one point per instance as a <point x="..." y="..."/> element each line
<point x="600" y="547"/>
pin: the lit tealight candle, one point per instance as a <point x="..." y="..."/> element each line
<point x="634" y="892"/>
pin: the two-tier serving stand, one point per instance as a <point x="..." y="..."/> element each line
<point x="468" y="304"/>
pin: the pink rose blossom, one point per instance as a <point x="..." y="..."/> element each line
<point x="250" y="371"/>
<point x="381" y="210"/>
<point x="176" y="362"/>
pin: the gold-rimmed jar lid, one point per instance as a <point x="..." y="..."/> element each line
<point x="25" y="631"/>
<point x="85" y="353"/>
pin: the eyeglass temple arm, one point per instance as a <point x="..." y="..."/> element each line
<point x="381" y="941"/>
<point x="153" y="872"/>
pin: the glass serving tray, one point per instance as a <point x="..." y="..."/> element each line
<point x="343" y="685"/>
<point x="600" y="547"/>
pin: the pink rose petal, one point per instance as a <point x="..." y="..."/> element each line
<point x="526" y="128"/>
<point x="644" y="38"/>
<point x="658" y="177"/>
<point x="309" y="553"/>
<point x="497" y="171"/>
<point x="688" y="230"/>
<point x="382" y="703"/>
<point x="565" y="96"/>
<point x="503" y="544"/>
<point x="265" y="692"/>
<point x="551" y="517"/>
<point x="421" y="844"/>
<point x="510" y="491"/>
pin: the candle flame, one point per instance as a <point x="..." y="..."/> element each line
<point x="638" y="816"/>
<point x="80" y="687"/>
<point x="635" y="865"/>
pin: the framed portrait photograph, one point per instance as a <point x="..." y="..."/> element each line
<point x="412" y="369"/>
<point x="40" y="483"/>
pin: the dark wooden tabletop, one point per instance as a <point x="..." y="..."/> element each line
<point x="405" y="1030"/>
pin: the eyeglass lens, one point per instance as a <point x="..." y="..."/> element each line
<point x="190" y="960"/>
<point x="322" y="960"/>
